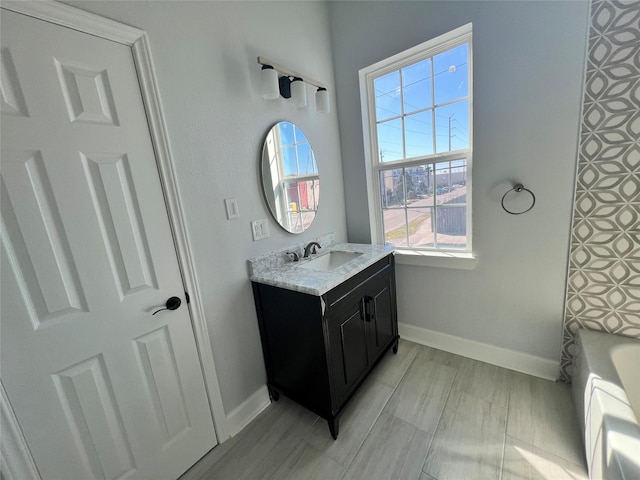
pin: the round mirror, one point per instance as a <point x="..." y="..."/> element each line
<point x="290" y="179"/>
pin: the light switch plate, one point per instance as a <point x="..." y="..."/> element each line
<point x="260" y="229"/>
<point x="231" y="204"/>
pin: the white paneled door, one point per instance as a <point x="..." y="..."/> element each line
<point x="101" y="387"/>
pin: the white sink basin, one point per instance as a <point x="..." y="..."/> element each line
<point x="329" y="261"/>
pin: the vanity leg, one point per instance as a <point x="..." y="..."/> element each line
<point x="334" y="426"/>
<point x="274" y="394"/>
<point x="395" y="346"/>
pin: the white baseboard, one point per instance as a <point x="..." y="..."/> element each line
<point x="240" y="416"/>
<point x="502" y="357"/>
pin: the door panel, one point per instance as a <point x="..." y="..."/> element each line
<point x="86" y="395"/>
<point x="101" y="388"/>
<point x="382" y="321"/>
<point x="50" y="277"/>
<point x="348" y="343"/>
<point x="381" y="328"/>
<point x="156" y="354"/>
<point x="118" y="213"/>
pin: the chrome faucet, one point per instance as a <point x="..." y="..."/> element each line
<point x="310" y="249"/>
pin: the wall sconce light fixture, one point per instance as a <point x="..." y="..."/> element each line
<point x="277" y="81"/>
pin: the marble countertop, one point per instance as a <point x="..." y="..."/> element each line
<point x="280" y="271"/>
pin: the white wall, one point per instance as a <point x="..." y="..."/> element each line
<point x="528" y="70"/>
<point x="205" y="57"/>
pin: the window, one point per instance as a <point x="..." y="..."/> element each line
<point x="417" y="111"/>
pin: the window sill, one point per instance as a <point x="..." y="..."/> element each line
<point x="422" y="258"/>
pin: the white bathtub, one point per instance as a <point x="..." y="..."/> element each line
<point x="606" y="391"/>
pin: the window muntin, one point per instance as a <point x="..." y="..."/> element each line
<point x="420" y="129"/>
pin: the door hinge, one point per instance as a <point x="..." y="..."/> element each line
<point x="186" y="296"/>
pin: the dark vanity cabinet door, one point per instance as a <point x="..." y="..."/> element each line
<point x="319" y="349"/>
<point x="347" y="345"/>
<point x="380" y="313"/>
<point x="361" y="321"/>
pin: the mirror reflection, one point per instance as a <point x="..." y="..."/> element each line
<point x="290" y="179"/>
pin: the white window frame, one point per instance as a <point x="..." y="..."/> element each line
<point x="444" y="257"/>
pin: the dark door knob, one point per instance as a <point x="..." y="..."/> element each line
<point x="173" y="303"/>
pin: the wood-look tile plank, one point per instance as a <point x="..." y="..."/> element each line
<point x="424" y="476"/>
<point x="421" y="396"/>
<point x="308" y="463"/>
<point x="541" y="413"/>
<point x="393" y="449"/>
<point x="201" y="469"/>
<point x="440" y="356"/>
<point x="355" y="423"/>
<point x="484" y="381"/>
<point x="265" y="443"/>
<point x="523" y="461"/>
<point x="469" y="441"/>
<point x="392" y="367"/>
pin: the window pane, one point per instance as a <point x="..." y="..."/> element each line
<point x="416" y="86"/>
<point x="300" y="137"/>
<point x="451" y="182"/>
<point x="387" y="92"/>
<point x="395" y="226"/>
<point x="418" y="134"/>
<point x="286" y="133"/>
<point x="314" y="193"/>
<point x="451" y="227"/>
<point x="305" y="159"/>
<point x="307" y="219"/>
<point x="451" y="74"/>
<point x="289" y="160"/>
<point x="421" y="227"/>
<point x="390" y="140"/>
<point x="295" y="222"/>
<point x="452" y="127"/>
<point x="392" y="188"/>
<point x="307" y="195"/>
<point x="417" y="184"/>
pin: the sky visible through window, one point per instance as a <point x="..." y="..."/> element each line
<point x="405" y="103"/>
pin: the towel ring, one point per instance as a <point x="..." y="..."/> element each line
<point x="518" y="188"/>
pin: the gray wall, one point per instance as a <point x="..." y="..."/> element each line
<point x="603" y="289"/>
<point x="528" y="71"/>
<point x="205" y="57"/>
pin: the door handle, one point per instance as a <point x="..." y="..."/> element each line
<point x="366" y="301"/>
<point x="372" y="308"/>
<point x="173" y="303"/>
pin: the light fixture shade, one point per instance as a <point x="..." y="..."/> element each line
<point x="299" y="92"/>
<point x="269" y="78"/>
<point x="322" y="101"/>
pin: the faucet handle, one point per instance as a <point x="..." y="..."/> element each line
<point x="296" y="257"/>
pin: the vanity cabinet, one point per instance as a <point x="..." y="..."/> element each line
<point x="319" y="349"/>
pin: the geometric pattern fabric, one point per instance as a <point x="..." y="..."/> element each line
<point x="603" y="286"/>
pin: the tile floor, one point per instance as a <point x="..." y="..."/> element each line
<point x="423" y="414"/>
